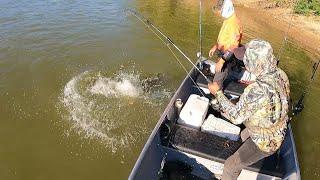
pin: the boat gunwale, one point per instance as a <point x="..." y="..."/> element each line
<point x="159" y="123"/>
<point x="295" y="156"/>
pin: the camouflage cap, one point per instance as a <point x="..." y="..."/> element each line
<point x="258" y="58"/>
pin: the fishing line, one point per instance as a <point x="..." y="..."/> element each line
<point x="299" y="106"/>
<point x="175" y="56"/>
<point x="150" y="25"/>
<point x="285" y="40"/>
<point x="185" y="69"/>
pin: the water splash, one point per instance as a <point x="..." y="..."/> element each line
<point x="115" y="110"/>
<point x="125" y="85"/>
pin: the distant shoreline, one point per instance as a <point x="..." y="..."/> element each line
<point x="304" y="29"/>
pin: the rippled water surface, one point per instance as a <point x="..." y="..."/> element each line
<point x="82" y="84"/>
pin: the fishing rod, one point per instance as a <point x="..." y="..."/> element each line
<point x="149" y="24"/>
<point x="199" y="54"/>
<point x="299" y="106"/>
<point x="285" y="40"/>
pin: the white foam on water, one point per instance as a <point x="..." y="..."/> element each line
<point x="79" y="110"/>
<point x="108" y="118"/>
<point x="127" y="85"/>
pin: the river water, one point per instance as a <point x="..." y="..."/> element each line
<point x="83" y="84"/>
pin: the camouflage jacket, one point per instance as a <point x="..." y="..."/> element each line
<point x="264" y="105"/>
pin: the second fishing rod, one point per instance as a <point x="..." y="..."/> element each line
<point x="148" y="23"/>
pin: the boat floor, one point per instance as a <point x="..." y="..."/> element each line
<point x="218" y="149"/>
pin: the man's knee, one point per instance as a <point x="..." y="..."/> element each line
<point x="232" y="167"/>
<point x="244" y="135"/>
<point x="233" y="163"/>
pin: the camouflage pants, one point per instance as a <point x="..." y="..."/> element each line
<point x="246" y="155"/>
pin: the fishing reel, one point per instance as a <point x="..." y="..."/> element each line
<point x="299" y="106"/>
<point x="206" y="66"/>
<point x="199" y="55"/>
<point x="215" y="104"/>
<point x="297" y="109"/>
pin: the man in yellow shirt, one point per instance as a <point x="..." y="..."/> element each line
<point x="229" y="39"/>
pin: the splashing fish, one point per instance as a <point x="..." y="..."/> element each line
<point x="94" y="101"/>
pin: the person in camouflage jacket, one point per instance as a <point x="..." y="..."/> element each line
<point x="262" y="108"/>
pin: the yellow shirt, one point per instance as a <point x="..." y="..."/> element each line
<point x="230" y="33"/>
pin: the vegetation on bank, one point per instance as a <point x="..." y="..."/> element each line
<point x="304" y="7"/>
<point x="307" y="7"/>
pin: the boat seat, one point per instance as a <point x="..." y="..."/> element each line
<point x="217" y="149"/>
<point x="230" y="87"/>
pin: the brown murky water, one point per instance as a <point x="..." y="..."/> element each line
<point x="73" y="95"/>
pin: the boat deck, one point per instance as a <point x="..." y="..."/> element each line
<point x="218" y="149"/>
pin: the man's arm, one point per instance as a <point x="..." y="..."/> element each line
<point x="212" y="50"/>
<point x="246" y="107"/>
